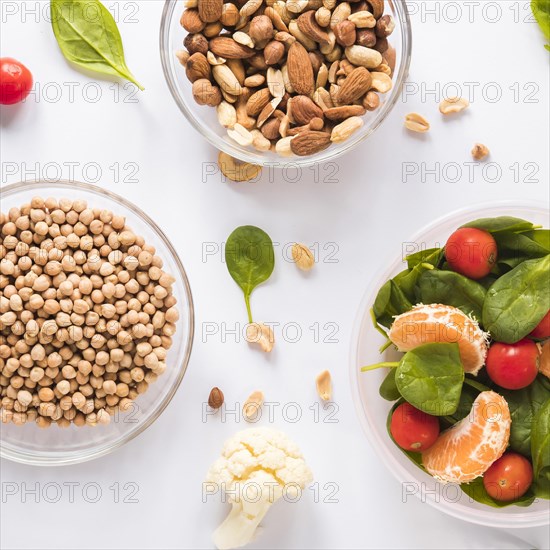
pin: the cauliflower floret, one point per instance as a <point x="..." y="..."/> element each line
<point x="256" y="467"/>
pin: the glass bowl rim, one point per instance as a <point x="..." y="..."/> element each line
<point x="256" y="157"/>
<point x="30" y="458"/>
<point x="526" y="519"/>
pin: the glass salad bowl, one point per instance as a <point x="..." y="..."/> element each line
<point x="373" y="410"/>
<point x="203" y="118"/>
<point x="56" y="446"/>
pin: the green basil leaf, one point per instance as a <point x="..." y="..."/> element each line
<point x="250" y="259"/>
<point x="430" y="378"/>
<point x="516" y="303"/>
<point x="524" y="404"/>
<point x="541" y="11"/>
<point x="88" y="36"/>
<point x="388" y="389"/>
<point x="476" y="491"/>
<point x="452" y="289"/>
<point x="540" y="450"/>
<point x="431" y="256"/>
<point x="501" y="223"/>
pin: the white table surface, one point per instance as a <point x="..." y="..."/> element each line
<point x="359" y="209"/>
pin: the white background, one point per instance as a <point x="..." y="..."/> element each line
<point x="365" y="209"/>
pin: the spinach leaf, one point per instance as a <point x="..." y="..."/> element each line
<point x="388" y="389"/>
<point x="524" y="405"/>
<point x="250" y="259"/>
<point x="450" y="288"/>
<point x="467" y="398"/>
<point x="430" y="378"/>
<point x="476" y="491"/>
<point x="501" y="223"/>
<point x="390" y="301"/>
<point x="541" y="11"/>
<point x="430" y="255"/>
<point x="540" y="450"/>
<point x="88" y="36"/>
<point x="516" y="303"/>
<point x="540" y="236"/>
<point x="515" y="248"/>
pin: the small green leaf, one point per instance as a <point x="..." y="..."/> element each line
<point x="476" y="491"/>
<point x="452" y="289"/>
<point x="516" y="303"/>
<point x="388" y="388"/>
<point x="250" y="259"/>
<point x="540" y="450"/>
<point x="501" y="223"/>
<point x="541" y="11"/>
<point x="430" y="378"/>
<point x="88" y="36"/>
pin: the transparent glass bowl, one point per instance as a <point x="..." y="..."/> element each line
<point x="373" y="410"/>
<point x="59" y="446"/>
<point x="203" y="118"/>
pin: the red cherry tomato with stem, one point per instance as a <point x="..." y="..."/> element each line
<point x="542" y="330"/>
<point x="471" y="252"/>
<point x="509" y="477"/>
<point x="412" y="429"/>
<point x="15" y="81"/>
<point x="513" y="366"/>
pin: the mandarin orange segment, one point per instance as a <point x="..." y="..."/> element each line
<point x="544" y="359"/>
<point x="467" y="449"/>
<point x="426" y="324"/>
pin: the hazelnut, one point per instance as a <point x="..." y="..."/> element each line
<point x="273" y="52"/>
<point x="191" y="21"/>
<point x="345" y="33"/>
<point x="197" y="67"/>
<point x="480" y="151"/>
<point x="260" y="30"/>
<point x="196" y="43"/>
<point x="205" y="93"/>
<point x="366" y="38"/>
<point x="385" y="26"/>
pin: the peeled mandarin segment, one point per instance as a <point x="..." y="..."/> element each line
<point x="544" y="359"/>
<point x="467" y="450"/>
<point x="426" y="324"/>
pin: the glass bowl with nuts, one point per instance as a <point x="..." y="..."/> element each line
<point x="96" y="322"/>
<point x="273" y="82"/>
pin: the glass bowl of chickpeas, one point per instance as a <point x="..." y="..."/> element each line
<point x="96" y="322"/>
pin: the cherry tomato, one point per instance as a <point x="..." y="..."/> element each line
<point x="471" y="252"/>
<point x="412" y="429"/>
<point x="15" y="81"/>
<point x="509" y="477"/>
<point x="542" y="330"/>
<point x="513" y="366"/>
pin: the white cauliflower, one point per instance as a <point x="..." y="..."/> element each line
<point x="256" y="468"/>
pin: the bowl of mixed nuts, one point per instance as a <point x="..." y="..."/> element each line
<point x="96" y="322"/>
<point x="273" y="81"/>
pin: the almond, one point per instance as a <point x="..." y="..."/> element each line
<point x="258" y="100"/>
<point x="271" y="128"/>
<point x="267" y="111"/>
<point x="300" y="71"/>
<point x="309" y="26"/>
<point x="210" y="10"/>
<point x="356" y="85"/>
<point x="197" y="67"/>
<point x="228" y="48"/>
<point x="230" y="15"/>
<point x="303" y="109"/>
<point x="342" y="113"/>
<point x="309" y="142"/>
<point x="191" y="21"/>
